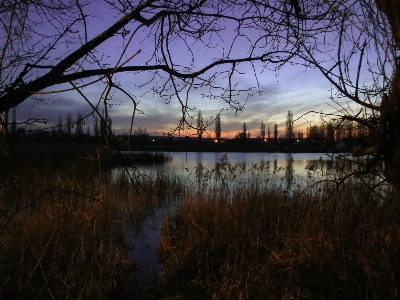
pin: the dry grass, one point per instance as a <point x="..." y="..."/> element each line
<point x="269" y="245"/>
<point x="63" y="227"/>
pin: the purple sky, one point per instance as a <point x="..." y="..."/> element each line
<point x="293" y="87"/>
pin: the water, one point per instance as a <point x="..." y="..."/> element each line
<point x="142" y="245"/>
<point x="279" y="170"/>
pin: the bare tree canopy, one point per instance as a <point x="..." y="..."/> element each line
<point x="276" y="33"/>
<point x="50" y="46"/>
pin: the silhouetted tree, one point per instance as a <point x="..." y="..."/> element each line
<point x="316" y="133"/>
<point x="13" y="130"/>
<point x="21" y="131"/>
<point x="349" y="130"/>
<point x="218" y="127"/>
<point x="69" y="124"/>
<point x="289" y="125"/>
<point x="96" y="130"/>
<point x="60" y="129"/>
<point x="141" y="134"/>
<point x="262" y="130"/>
<point x="200" y="125"/>
<point x="242" y="135"/>
<point x="300" y="135"/>
<point x="354" y="44"/>
<point x="330" y="132"/>
<point x="78" y="124"/>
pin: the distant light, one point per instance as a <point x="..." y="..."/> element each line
<point x="265" y="140"/>
<point x="297" y="140"/>
<point x="153" y="140"/>
<point x="216" y="141"/>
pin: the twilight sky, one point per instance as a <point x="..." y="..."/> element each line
<point x="293" y="87"/>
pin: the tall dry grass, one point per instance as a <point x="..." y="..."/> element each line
<point x="267" y="244"/>
<point x="63" y="222"/>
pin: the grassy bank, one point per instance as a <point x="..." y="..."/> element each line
<point x="64" y="216"/>
<point x="265" y="244"/>
<point x="63" y="220"/>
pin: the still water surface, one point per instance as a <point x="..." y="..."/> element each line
<point x="280" y="170"/>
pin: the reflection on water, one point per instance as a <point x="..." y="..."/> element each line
<point x="288" y="172"/>
<point x="199" y="173"/>
<point x="279" y="170"/>
<point x="202" y="169"/>
<point x="142" y="243"/>
<point x="197" y="164"/>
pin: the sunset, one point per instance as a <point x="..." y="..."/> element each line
<point x="261" y="93"/>
<point x="199" y="149"/>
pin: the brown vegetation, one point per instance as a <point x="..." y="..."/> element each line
<point x="63" y="225"/>
<point x="265" y="244"/>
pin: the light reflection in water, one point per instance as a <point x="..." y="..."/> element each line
<point x="205" y="169"/>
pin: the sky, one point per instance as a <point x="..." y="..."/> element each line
<point x="291" y="88"/>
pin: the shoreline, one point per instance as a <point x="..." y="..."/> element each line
<point x="283" y="146"/>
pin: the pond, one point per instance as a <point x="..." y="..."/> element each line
<point x="204" y="169"/>
<point x="285" y="171"/>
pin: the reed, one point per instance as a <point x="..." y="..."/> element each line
<point x="64" y="217"/>
<point x="63" y="223"/>
<point x="269" y="244"/>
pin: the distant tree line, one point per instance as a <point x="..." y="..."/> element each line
<point x="335" y="131"/>
<point x="66" y="127"/>
<point x="102" y="127"/>
<point x="327" y="132"/>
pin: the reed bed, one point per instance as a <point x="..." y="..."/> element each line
<point x="63" y="224"/>
<point x="64" y="216"/>
<point x="270" y="244"/>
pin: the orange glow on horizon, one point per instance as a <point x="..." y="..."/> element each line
<point x="230" y="134"/>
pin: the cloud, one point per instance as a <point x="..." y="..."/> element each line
<point x="290" y="88"/>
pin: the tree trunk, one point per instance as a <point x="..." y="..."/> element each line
<point x="390" y="113"/>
